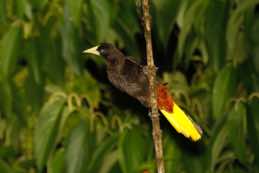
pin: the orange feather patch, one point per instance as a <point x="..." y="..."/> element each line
<point x="164" y="99"/>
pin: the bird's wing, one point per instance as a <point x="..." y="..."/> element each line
<point x="131" y="69"/>
<point x="183" y="123"/>
<point x="134" y="76"/>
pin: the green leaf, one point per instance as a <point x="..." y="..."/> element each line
<point x="91" y="91"/>
<point x="133" y="148"/>
<point x="191" y="14"/>
<point x="8" y="47"/>
<point x="98" y="15"/>
<point x="51" y="61"/>
<point x="20" y="7"/>
<point x="47" y="129"/>
<point x="236" y="125"/>
<point x="235" y="21"/>
<point x="109" y="161"/>
<point x="99" y="154"/>
<point x="70" y="35"/>
<point x="56" y="163"/>
<point x="73" y="11"/>
<point x="70" y="43"/>
<point x="253" y="127"/>
<point x="77" y="151"/>
<point x="83" y="147"/>
<point x="126" y="26"/>
<point x="172" y="155"/>
<point x="2" y="12"/>
<point x="215" y="22"/>
<point x="34" y="60"/>
<point x="217" y="147"/>
<point x="34" y="92"/>
<point x="252" y="30"/>
<point x="177" y="82"/>
<point x="4" y="167"/>
<point x="7" y="152"/>
<point x="223" y="89"/>
<point x="39" y="4"/>
<point x="165" y="15"/>
<point x="6" y="101"/>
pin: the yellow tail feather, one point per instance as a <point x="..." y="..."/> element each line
<point x="183" y="123"/>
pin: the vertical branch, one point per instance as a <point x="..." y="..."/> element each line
<point x="157" y="135"/>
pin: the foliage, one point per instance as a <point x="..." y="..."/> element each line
<point x="58" y="112"/>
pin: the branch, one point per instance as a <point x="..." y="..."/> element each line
<point x="157" y="135"/>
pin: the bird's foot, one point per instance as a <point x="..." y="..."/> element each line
<point x="146" y="68"/>
<point x="150" y="114"/>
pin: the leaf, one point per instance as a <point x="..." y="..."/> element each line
<point x="252" y="30"/>
<point x="172" y="155"/>
<point x="236" y="125"/>
<point x="83" y="147"/>
<point x="217" y="147"/>
<point x="56" y="163"/>
<point x="109" y="161"/>
<point x="70" y="44"/>
<point x="98" y="17"/>
<point x="217" y="133"/>
<point x="223" y="89"/>
<point x="70" y="35"/>
<point x="4" y="167"/>
<point x="190" y="15"/>
<point x="34" y="92"/>
<point x="52" y="63"/>
<point x="34" y="60"/>
<point x="6" y="101"/>
<point x="98" y="156"/>
<point x="47" y="129"/>
<point x="177" y="82"/>
<point x="235" y="21"/>
<point x="126" y="26"/>
<point x="39" y="4"/>
<point x="78" y="149"/>
<point x="8" y="47"/>
<point x="165" y="15"/>
<point x="20" y="7"/>
<point x="8" y="152"/>
<point x="253" y="127"/>
<point x="2" y="12"/>
<point x="215" y="22"/>
<point x="91" y="91"/>
<point x="73" y="11"/>
<point x="132" y="150"/>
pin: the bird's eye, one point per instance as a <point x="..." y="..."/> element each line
<point x="102" y="51"/>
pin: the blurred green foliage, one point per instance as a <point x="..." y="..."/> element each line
<point x="59" y="113"/>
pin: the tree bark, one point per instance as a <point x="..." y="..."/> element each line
<point x="151" y="69"/>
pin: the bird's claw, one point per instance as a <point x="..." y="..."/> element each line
<point x="150" y="114"/>
<point x="146" y="69"/>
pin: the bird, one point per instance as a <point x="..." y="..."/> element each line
<point x="132" y="78"/>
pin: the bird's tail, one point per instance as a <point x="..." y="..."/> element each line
<point x="175" y="115"/>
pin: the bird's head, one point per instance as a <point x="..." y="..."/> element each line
<point x="104" y="49"/>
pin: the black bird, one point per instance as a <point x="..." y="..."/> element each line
<point x="130" y="77"/>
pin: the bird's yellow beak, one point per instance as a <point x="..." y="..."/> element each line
<point x="92" y="50"/>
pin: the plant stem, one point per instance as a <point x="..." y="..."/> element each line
<point x="157" y="135"/>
